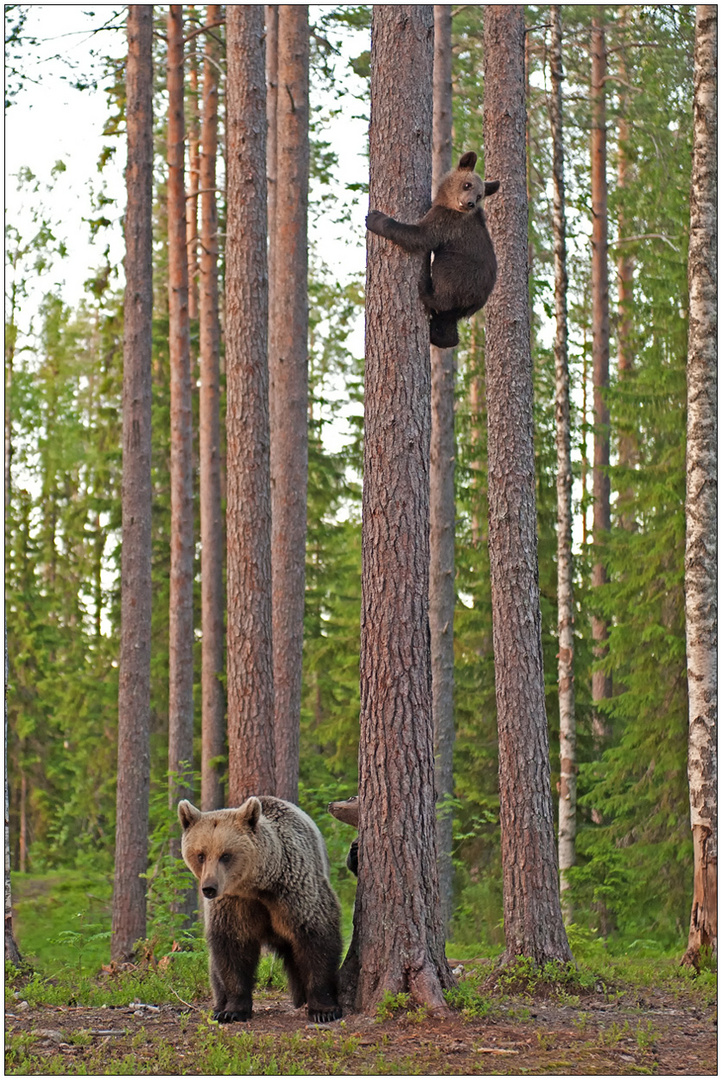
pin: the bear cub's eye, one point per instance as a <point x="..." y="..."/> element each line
<point x="467" y="185"/>
<point x="225" y="857"/>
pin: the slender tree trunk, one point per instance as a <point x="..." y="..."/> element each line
<point x="193" y="172"/>
<point x="626" y="445"/>
<point x="701" y="503"/>
<point x="12" y="953"/>
<point x="133" y="785"/>
<point x="442" y="505"/>
<point x="565" y="568"/>
<point x="23" y="837"/>
<point x="398" y="942"/>
<point x="180" y="628"/>
<point x="288" y="366"/>
<point x="601" y="683"/>
<point x="213" y="700"/>
<point x="251" y="757"/>
<point x="532" y="914"/>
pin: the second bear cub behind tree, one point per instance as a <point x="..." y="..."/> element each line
<point x="459" y="271"/>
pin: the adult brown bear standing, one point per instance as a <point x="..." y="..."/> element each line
<point x="263" y="873"/>
<point x="459" y="271"/>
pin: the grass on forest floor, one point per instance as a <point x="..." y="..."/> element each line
<point x="62" y="922"/>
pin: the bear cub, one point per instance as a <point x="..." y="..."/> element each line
<point x="459" y="270"/>
<point x="264" y="876"/>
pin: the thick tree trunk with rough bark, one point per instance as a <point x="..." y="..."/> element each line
<point x="532" y="913"/>
<point x="601" y="683"/>
<point x="288" y="367"/>
<point x="272" y="140"/>
<point x="133" y="784"/>
<point x="398" y="942"/>
<point x="180" y="624"/>
<point x="213" y="733"/>
<point x="700" y="575"/>
<point x="442" y="503"/>
<point x="565" y="567"/>
<point x="251" y="756"/>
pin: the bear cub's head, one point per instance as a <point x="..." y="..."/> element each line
<point x="461" y="189"/>
<point x="221" y="847"/>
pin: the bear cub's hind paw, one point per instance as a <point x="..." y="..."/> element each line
<point x="223" y="1016"/>
<point x="325" y="1016"/>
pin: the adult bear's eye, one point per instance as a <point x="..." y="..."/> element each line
<point x="225" y="857"/>
<point x="201" y="857"/>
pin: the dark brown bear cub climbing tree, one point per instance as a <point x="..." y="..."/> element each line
<point x="459" y="267"/>
<point x="398" y="943"/>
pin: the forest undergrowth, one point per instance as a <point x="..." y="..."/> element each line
<point x="625" y="1008"/>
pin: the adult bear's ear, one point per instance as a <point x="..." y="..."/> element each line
<point x="250" y="813"/>
<point x="187" y="814"/>
<point x="490" y="186"/>
<point x="468" y="161"/>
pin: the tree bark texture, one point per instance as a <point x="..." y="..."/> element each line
<point x="565" y="567"/>
<point x="442" y="503"/>
<point x="194" y="166"/>
<point x="213" y="699"/>
<point x="272" y="139"/>
<point x="627" y="443"/>
<point x="532" y="914"/>
<point x="601" y="683"/>
<point x="288" y="368"/>
<point x="133" y="784"/>
<point x="398" y="943"/>
<point x="12" y="953"/>
<point x="251" y="757"/>
<point x="701" y="501"/>
<point x="180" y="622"/>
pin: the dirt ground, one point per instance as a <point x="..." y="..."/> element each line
<point x="656" y="1033"/>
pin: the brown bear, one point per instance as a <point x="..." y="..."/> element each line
<point x="459" y="270"/>
<point x="263" y="872"/>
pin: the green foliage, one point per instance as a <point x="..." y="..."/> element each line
<point x="390" y="1004"/>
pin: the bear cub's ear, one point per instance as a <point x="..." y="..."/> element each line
<point x="490" y="186"/>
<point x="250" y="813"/>
<point x="467" y="161"/>
<point x="187" y="814"/>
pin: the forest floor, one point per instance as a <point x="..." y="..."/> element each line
<point x="618" y="1031"/>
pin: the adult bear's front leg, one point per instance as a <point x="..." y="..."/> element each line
<point x="233" y="965"/>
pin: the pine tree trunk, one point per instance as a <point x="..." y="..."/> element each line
<point x="12" y="953"/>
<point x="133" y="785"/>
<point x="565" y="568"/>
<point x="272" y="141"/>
<point x="288" y="366"/>
<point x="213" y="700"/>
<point x="442" y="505"/>
<point x="701" y="502"/>
<point x="398" y="942"/>
<point x="194" y="165"/>
<point x="532" y="914"/>
<point x="626" y="445"/>
<point x="601" y="683"/>
<point x="251" y="757"/>
<point x="180" y="623"/>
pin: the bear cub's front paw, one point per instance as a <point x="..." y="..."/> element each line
<point x="376" y="221"/>
<point x="223" y="1016"/>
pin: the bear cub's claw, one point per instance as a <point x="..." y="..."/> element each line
<point x="225" y="1017"/>
<point x="326" y="1016"/>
